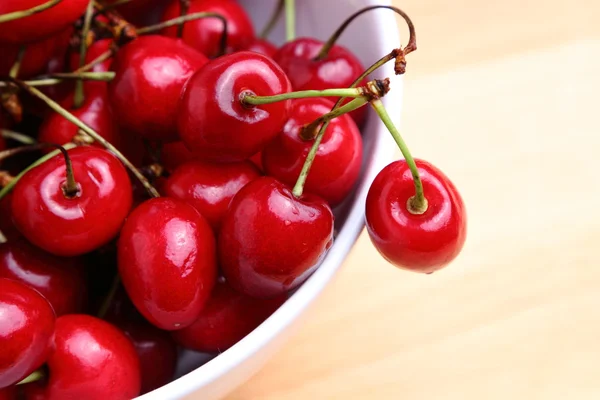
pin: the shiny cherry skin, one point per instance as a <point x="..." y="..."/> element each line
<point x="422" y="243"/>
<point x="60" y="280"/>
<point x="26" y="328"/>
<point x="67" y="226"/>
<point x="210" y="187"/>
<point x="94" y="51"/>
<point x="337" y="164"/>
<point x="227" y="318"/>
<point x="150" y="73"/>
<point x="205" y="34"/>
<point x="339" y="69"/>
<point x="174" y="154"/>
<point x="167" y="261"/>
<point x="262" y="46"/>
<point x="257" y="160"/>
<point x="212" y="121"/>
<point x="91" y="359"/>
<point x="270" y="241"/>
<point x="41" y="25"/>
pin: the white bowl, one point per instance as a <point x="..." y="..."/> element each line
<point x="371" y="36"/>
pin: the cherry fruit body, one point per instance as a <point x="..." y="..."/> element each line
<point x="174" y="154"/>
<point x="262" y="46"/>
<point x="417" y="242"/>
<point x="270" y="241"/>
<point x="73" y="225"/>
<point x="26" y="328"/>
<point x="36" y="58"/>
<point x="336" y="166"/>
<point x="167" y="261"/>
<point x="212" y="120"/>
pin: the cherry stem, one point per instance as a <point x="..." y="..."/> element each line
<point x="17" y="137"/>
<point x="57" y="78"/>
<point x="412" y="40"/>
<point x="416" y="204"/>
<point x="85" y="128"/>
<point x="251" y="99"/>
<point x="273" y="20"/>
<point x="308" y="132"/>
<point x="70" y="188"/>
<point x="14" y="70"/>
<point x="2" y="238"/>
<point x="290" y="20"/>
<point x="79" y="96"/>
<point x="36" y="375"/>
<point x="115" y="4"/>
<point x="96" y="61"/>
<point x="26" y="13"/>
<point x="184" y="6"/>
<point x="114" y="286"/>
<point x="18" y="150"/>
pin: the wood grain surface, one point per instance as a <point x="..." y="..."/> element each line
<point x="503" y="96"/>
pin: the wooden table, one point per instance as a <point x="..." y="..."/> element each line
<point x="503" y="96"/>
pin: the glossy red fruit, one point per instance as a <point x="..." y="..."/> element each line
<point x="257" y="160"/>
<point x="337" y="164"/>
<point x="73" y="226"/>
<point x="174" y="154"/>
<point x="166" y="257"/>
<point x="7" y="227"/>
<point x="262" y="46"/>
<point x="339" y="69"/>
<point x="26" y="329"/>
<point x="227" y="318"/>
<point x="91" y="359"/>
<point x="209" y="187"/>
<point x="205" y="34"/>
<point x="270" y="241"/>
<point x="36" y="57"/>
<point x="60" y="280"/>
<point x="421" y="243"/>
<point x="94" y="51"/>
<point x="212" y="121"/>
<point x="150" y="73"/>
<point x="41" y="25"/>
<point x="8" y="393"/>
<point x="141" y="12"/>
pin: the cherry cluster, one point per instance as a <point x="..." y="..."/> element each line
<point x="167" y="177"/>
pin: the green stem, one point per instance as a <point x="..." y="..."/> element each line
<point x="79" y="96"/>
<point x="98" y="60"/>
<point x="273" y="20"/>
<point x="70" y="117"/>
<point x="106" y="76"/>
<point x="26" y="13"/>
<point x="309" y="132"/>
<point x="417" y="204"/>
<point x="17" y="137"/>
<point x="2" y="238"/>
<point x="109" y="296"/>
<point x="254" y="100"/>
<point x="36" y="375"/>
<point x="290" y="20"/>
<point x="184" y="6"/>
<point x="14" y="70"/>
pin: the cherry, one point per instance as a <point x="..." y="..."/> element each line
<point x="209" y="187"/>
<point x="205" y="34"/>
<point x="271" y="241"/>
<point x="337" y="164"/>
<point x="212" y="120"/>
<point x="227" y="318"/>
<point x="262" y="46"/>
<point x="91" y="359"/>
<point x="167" y="261"/>
<point x="60" y="280"/>
<point x="141" y="12"/>
<point x="418" y="242"/>
<point x="257" y="160"/>
<point x="26" y="329"/>
<point x="7" y="227"/>
<point x="8" y="393"/>
<point x="68" y="224"/>
<point x="96" y="49"/>
<point x="174" y="154"/>
<point x="150" y="73"/>
<point x="338" y="69"/>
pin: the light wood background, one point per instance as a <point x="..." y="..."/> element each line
<point x="503" y="96"/>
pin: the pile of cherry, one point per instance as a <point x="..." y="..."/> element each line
<point x="167" y="177"/>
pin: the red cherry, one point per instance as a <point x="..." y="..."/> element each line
<point x="8" y="393"/>
<point x="262" y="46"/>
<point x="40" y="25"/>
<point x="96" y="49"/>
<point x="150" y="73"/>
<point x="7" y="227"/>
<point x="141" y="12"/>
<point x="270" y="241"/>
<point x="337" y="164"/>
<point x="257" y="160"/>
<point x="339" y="69"/>
<point x="60" y="280"/>
<point x="422" y="243"/>
<point x="208" y="187"/>
<point x="36" y="57"/>
<point x="166" y="257"/>
<point x="67" y="226"/>
<point x="91" y="359"/>
<point x="212" y="121"/>
<point x="26" y="328"/>
<point x="174" y="154"/>
<point x="205" y="34"/>
<point x="227" y="318"/>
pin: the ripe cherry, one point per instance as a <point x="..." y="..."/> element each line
<point x="166" y="258"/>
<point x="270" y="241"/>
<point x="150" y="73"/>
<point x="60" y="280"/>
<point x="68" y="224"/>
<point x="262" y="46"/>
<point x="205" y="34"/>
<point x="425" y="242"/>
<point x="8" y="393"/>
<point x="141" y="12"/>
<point x="96" y="49"/>
<point x="26" y="329"/>
<point x="174" y="154"/>
<point x="209" y="187"/>
<point x="227" y="318"/>
<point x="37" y="55"/>
<point x="91" y="359"/>
<point x="7" y="226"/>
<point x="41" y="25"/>
<point x="337" y="164"/>
<point x="212" y="120"/>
